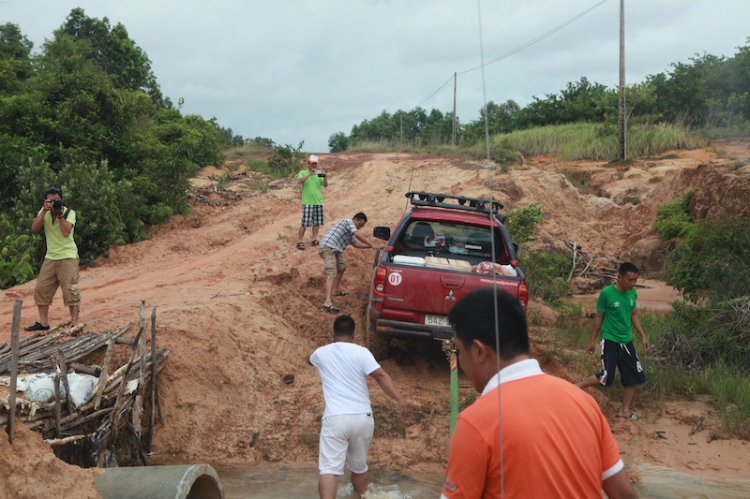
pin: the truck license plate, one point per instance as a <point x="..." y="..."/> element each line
<point x="436" y="320"/>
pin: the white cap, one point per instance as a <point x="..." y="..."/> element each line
<point x="313" y="159"/>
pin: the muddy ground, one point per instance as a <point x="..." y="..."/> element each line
<point x="238" y="305"/>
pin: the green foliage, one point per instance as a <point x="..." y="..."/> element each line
<point x="696" y="337"/>
<point x="338" y="142"/>
<point x="15" y="267"/>
<point x="87" y="114"/>
<point x="285" y="160"/>
<point x="546" y="275"/>
<point x="713" y="260"/>
<point x="522" y="222"/>
<point x="673" y="218"/>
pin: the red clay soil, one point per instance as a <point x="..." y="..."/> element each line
<point x="238" y="306"/>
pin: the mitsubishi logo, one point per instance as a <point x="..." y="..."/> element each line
<point x="450" y="296"/>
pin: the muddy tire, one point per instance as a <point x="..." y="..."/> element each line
<point x="379" y="345"/>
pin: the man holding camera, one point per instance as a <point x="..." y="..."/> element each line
<point x="311" y="180"/>
<point x="60" y="267"/>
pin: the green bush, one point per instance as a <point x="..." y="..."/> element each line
<point x="522" y="222"/>
<point x="713" y="261"/>
<point x="673" y="218"/>
<point x="285" y="160"/>
<point x="15" y="267"/>
<point x="546" y="275"/>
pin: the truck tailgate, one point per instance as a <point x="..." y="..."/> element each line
<point x="405" y="289"/>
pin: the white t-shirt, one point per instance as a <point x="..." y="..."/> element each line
<point x="344" y="368"/>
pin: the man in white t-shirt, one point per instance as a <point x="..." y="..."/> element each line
<point x="348" y="424"/>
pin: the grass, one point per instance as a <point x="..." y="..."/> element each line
<point x="728" y="390"/>
<point x="577" y="141"/>
<point x="574" y="141"/>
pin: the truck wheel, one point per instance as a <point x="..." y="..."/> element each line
<point x="378" y="344"/>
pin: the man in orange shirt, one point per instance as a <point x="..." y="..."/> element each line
<point x="529" y="434"/>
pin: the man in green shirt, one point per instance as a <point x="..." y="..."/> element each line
<point x="311" y="180"/>
<point x="60" y="267"/>
<point x="615" y="312"/>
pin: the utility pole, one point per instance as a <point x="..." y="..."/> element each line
<point x="623" y="120"/>
<point x="453" y="140"/>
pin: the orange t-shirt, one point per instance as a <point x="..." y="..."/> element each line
<point x="556" y="443"/>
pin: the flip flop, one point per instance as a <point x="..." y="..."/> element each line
<point x="330" y="308"/>
<point x="634" y="417"/>
<point x="314" y="242"/>
<point x="340" y="293"/>
<point x="300" y="245"/>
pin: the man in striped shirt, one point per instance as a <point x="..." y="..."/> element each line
<point x="332" y="245"/>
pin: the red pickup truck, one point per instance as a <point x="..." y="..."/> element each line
<point x="443" y="248"/>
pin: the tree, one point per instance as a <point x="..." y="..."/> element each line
<point x="338" y="142"/>
<point x="15" y="58"/>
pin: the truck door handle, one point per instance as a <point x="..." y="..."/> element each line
<point x="452" y="282"/>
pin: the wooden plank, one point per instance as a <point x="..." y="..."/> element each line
<point x="152" y="417"/>
<point x="57" y="405"/>
<point x="103" y="376"/>
<point x="14" y="369"/>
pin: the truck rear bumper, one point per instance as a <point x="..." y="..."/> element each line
<point x="413" y="330"/>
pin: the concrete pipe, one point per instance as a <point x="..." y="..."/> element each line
<point x="196" y="481"/>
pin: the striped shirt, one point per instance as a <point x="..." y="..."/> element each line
<point x="339" y="237"/>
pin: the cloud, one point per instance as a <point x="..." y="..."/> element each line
<point x="302" y="70"/>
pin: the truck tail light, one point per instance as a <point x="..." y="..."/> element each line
<point x="379" y="282"/>
<point x="523" y="295"/>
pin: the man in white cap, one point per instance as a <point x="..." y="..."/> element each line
<point x="311" y="179"/>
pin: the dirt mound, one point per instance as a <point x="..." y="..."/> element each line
<point x="239" y="306"/>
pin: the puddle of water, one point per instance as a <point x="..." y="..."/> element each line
<point x="665" y="483"/>
<point x="292" y="482"/>
<point x="267" y="481"/>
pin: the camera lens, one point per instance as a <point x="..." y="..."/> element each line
<point x="57" y="204"/>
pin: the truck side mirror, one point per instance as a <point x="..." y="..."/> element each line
<point x="383" y="233"/>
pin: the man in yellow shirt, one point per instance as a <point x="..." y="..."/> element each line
<point x="60" y="267"/>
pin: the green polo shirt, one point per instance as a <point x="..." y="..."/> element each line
<point x="60" y="247"/>
<point x="617" y="308"/>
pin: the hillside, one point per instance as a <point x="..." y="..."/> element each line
<point x="238" y="304"/>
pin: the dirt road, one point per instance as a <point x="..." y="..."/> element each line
<point x="239" y="306"/>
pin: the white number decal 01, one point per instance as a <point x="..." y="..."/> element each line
<point x="394" y="279"/>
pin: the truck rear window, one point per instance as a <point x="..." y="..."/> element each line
<point x="453" y="239"/>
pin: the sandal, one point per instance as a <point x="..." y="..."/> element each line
<point x="314" y="242"/>
<point x="340" y="293"/>
<point x="37" y="326"/>
<point x="632" y="416"/>
<point x="330" y="308"/>
<point x="300" y="245"/>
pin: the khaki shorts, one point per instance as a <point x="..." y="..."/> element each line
<point x="345" y="437"/>
<point x="54" y="273"/>
<point x="333" y="262"/>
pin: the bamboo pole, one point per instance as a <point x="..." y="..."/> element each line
<point x="14" y="369"/>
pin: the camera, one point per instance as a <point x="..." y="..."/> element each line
<point x="57" y="204"/>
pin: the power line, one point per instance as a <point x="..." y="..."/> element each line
<point x="537" y="39"/>
<point x="436" y="91"/>
<point x="518" y="49"/>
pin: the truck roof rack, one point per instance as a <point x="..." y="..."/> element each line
<point x="420" y="198"/>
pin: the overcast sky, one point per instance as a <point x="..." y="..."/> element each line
<point x="302" y="70"/>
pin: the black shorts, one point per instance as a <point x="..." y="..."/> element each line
<point x="622" y="356"/>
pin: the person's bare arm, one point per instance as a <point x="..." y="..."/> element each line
<point x="618" y="486"/>
<point x="637" y="324"/>
<point x="361" y="241"/>
<point x="65" y="226"/>
<point x="595" y="332"/>
<point x="38" y="222"/>
<point x="301" y="180"/>
<point x="389" y="388"/>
